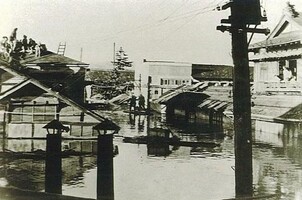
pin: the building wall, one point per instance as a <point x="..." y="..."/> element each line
<point x="164" y="76"/>
<point x="267" y="72"/>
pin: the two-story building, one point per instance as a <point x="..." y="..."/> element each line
<point x="277" y="59"/>
<point x="36" y="88"/>
<point x="165" y="75"/>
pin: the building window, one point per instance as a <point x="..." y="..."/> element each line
<point x="156" y="92"/>
<point x="161" y="81"/>
<point x="292" y="65"/>
<point x="281" y="69"/>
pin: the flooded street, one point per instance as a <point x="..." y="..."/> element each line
<point x="143" y="171"/>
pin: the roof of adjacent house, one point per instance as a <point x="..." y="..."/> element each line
<point x="20" y="87"/>
<point x="278" y="37"/>
<point x="48" y="57"/>
<point x="282" y="39"/>
<point x="51" y="58"/>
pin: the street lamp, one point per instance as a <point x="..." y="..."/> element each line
<point x="53" y="162"/>
<point x="105" y="185"/>
<point x="106" y="125"/>
<point x="55" y="125"/>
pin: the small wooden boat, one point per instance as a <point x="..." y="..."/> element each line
<point x="174" y="141"/>
<point x="137" y="112"/>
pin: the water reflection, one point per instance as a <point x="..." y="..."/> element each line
<point x="29" y="173"/>
<point x="141" y="169"/>
<point x="278" y="159"/>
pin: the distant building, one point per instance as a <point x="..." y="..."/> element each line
<point x="278" y="63"/>
<point x="165" y="75"/>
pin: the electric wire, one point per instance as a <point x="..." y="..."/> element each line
<point x="169" y="19"/>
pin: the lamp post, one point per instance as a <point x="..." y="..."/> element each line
<point x="53" y="164"/>
<point x="105" y="184"/>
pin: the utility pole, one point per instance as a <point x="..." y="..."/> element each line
<point x="81" y="56"/>
<point x="140" y="83"/>
<point x="114" y="54"/>
<point x="243" y="14"/>
<point x="148" y="94"/>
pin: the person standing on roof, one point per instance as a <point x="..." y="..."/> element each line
<point x="38" y="49"/>
<point x="14" y="34"/>
<point x="4" y="47"/>
<point x="13" y="39"/>
<point x="31" y="45"/>
<point x="25" y="43"/>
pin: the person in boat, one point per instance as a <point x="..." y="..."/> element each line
<point x="132" y="103"/>
<point x="141" y="102"/>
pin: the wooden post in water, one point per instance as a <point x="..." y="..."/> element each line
<point x="105" y="184"/>
<point x="148" y="94"/>
<point x="53" y="168"/>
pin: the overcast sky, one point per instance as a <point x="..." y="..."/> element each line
<point x="177" y="30"/>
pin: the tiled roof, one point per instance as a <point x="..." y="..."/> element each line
<point x="284" y="38"/>
<point x="276" y="55"/>
<point x="50" y="58"/>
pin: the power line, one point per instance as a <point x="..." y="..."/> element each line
<point x="188" y="21"/>
<point x="190" y="14"/>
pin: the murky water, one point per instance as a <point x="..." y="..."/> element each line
<point x="165" y="172"/>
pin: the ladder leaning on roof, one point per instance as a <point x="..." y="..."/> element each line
<point x="61" y="48"/>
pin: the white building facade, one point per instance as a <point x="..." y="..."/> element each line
<point x="277" y="60"/>
<point x="165" y="75"/>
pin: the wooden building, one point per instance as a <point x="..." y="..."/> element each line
<point x="35" y="89"/>
<point x="27" y="105"/>
<point x="277" y="59"/>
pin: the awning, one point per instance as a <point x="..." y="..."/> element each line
<point x="205" y="103"/>
<point x="221" y="106"/>
<point x="263" y="56"/>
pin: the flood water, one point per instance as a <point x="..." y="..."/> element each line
<point x="168" y="172"/>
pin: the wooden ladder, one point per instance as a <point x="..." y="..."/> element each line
<point x="61" y="48"/>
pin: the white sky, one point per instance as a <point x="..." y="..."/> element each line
<point x="178" y="30"/>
